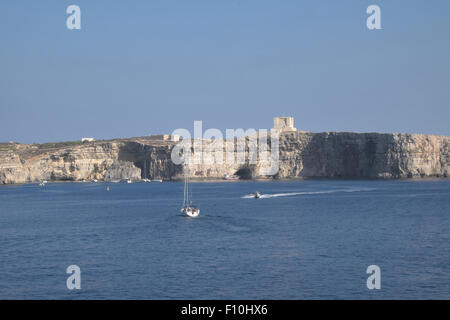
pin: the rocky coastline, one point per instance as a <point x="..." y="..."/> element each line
<point x="302" y="155"/>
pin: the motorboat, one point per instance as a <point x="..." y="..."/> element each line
<point x="256" y="195"/>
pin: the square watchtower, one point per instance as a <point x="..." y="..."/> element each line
<point x="284" y="124"/>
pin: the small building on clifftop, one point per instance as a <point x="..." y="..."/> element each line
<point x="284" y="124"/>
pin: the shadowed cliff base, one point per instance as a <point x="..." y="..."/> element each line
<point x="302" y="155"/>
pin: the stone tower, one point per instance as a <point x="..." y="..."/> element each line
<point x="284" y="124"/>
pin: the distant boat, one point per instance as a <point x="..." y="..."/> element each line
<point x="107" y="188"/>
<point x="129" y="181"/>
<point x="94" y="180"/>
<point x="230" y="177"/>
<point x="188" y="208"/>
<point x="146" y="180"/>
<point x="157" y="180"/>
<point x="43" y="183"/>
<point x="256" y="195"/>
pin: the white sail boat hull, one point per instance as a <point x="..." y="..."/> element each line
<point x="190" y="212"/>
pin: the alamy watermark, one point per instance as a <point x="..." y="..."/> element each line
<point x="373" y="22"/>
<point x="74" y="280"/>
<point x="239" y="147"/>
<point x="73" y="21"/>
<point x="374" y="280"/>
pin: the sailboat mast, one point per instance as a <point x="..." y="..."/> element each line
<point x="188" y="209"/>
<point x="187" y="186"/>
<point x="184" y="195"/>
<point x="187" y="195"/>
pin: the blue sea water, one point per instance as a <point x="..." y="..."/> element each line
<point x="302" y="240"/>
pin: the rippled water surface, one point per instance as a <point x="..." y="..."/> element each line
<point x="302" y="239"/>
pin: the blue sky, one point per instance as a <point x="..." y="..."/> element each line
<point x="142" y="67"/>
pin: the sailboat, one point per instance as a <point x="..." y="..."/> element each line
<point x="188" y="208"/>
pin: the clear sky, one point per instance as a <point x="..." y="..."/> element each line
<point x="141" y="67"/>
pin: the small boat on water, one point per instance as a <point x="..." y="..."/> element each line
<point x="188" y="208"/>
<point x="190" y="211"/>
<point x="43" y="183"/>
<point x="230" y="177"/>
<point x="146" y="180"/>
<point x="256" y="195"/>
<point x="129" y="181"/>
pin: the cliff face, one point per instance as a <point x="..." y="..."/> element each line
<point x="366" y="155"/>
<point x="109" y="161"/>
<point x="307" y="155"/>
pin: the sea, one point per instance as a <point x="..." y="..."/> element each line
<point x="309" y="239"/>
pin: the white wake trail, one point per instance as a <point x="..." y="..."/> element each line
<point x="290" y="194"/>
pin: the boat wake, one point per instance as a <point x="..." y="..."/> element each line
<point x="290" y="194"/>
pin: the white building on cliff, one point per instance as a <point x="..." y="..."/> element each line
<point x="284" y="124"/>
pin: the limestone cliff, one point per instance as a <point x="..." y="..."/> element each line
<point x="302" y="155"/>
<point x="104" y="160"/>
<point x="366" y="155"/>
